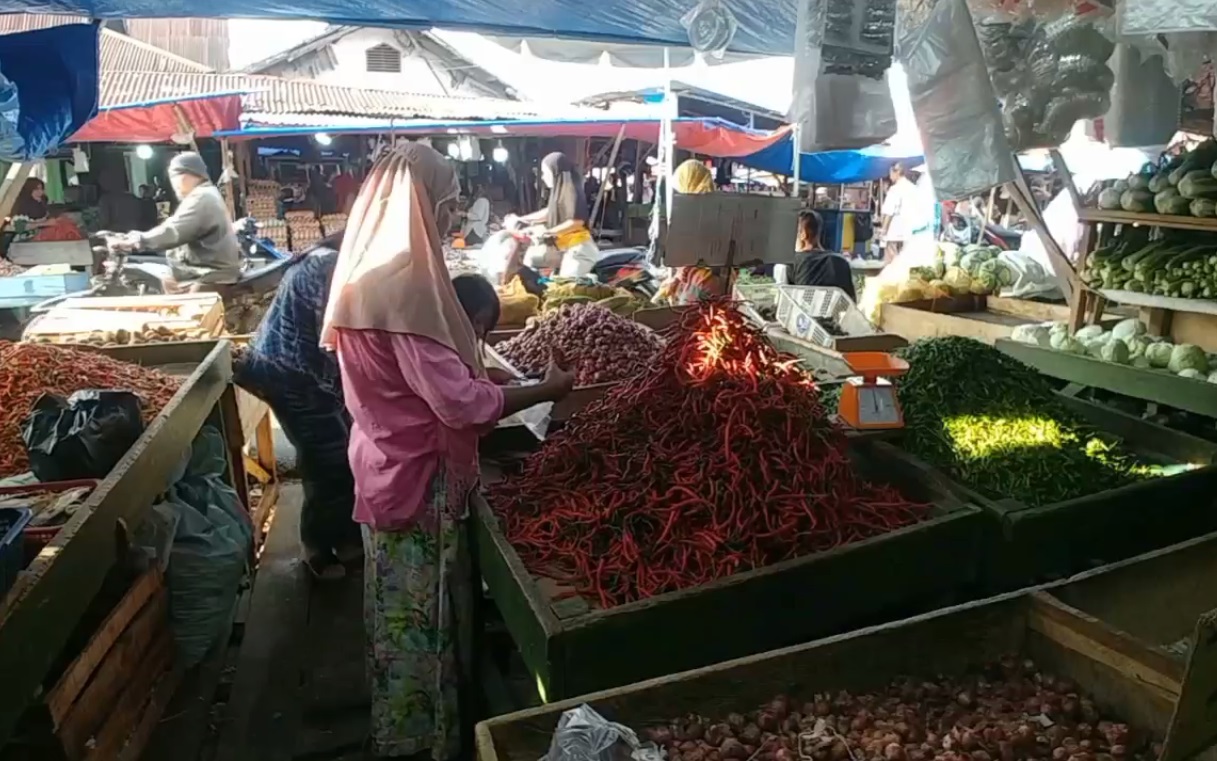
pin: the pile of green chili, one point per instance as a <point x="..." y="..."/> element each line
<point x="995" y="424"/>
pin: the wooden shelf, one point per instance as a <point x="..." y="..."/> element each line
<point x="1206" y="224"/>
<point x="1152" y="301"/>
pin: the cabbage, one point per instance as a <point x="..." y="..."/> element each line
<point x="1128" y="328"/>
<point x="1115" y="351"/>
<point x="1159" y="354"/>
<point x="1136" y="345"/>
<point x="1036" y="335"/>
<point x="1187" y="357"/>
<point x="1057" y="326"/>
<point x="1072" y="346"/>
<point x="1057" y="339"/>
<point x="959" y="281"/>
<point x="1141" y="362"/>
<point x="1088" y="332"/>
<point x="1188" y="372"/>
<point x="1094" y="346"/>
<point x="950" y="253"/>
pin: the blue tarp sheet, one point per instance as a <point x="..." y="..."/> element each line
<point x="55" y="72"/>
<point x="766" y="27"/>
<point x="830" y="167"/>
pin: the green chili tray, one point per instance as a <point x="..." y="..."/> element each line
<point x="1033" y="545"/>
<point x="572" y="648"/>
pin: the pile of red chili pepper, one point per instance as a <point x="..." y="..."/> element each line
<point x="718" y="460"/>
<point x="27" y="371"/>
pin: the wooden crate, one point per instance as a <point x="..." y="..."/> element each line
<point x="1029" y="545"/>
<point x="113" y="692"/>
<point x="572" y="648"/>
<point x="40" y="610"/>
<point x="77" y="320"/>
<point x="1118" y="675"/>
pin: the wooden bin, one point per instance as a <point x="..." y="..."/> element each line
<point x="112" y="694"/>
<point x="1030" y="545"/>
<point x="1154" y="598"/>
<point x="1119" y="677"/>
<point x="572" y="648"/>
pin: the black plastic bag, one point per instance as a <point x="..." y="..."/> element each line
<point x="82" y="437"/>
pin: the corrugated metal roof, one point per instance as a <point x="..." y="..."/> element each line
<point x="119" y="52"/>
<point x="273" y="95"/>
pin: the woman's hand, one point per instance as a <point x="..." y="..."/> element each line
<point x="499" y="376"/>
<point x="558" y="379"/>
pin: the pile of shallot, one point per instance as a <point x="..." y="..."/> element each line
<point x="1008" y="712"/>
<point x="600" y="347"/>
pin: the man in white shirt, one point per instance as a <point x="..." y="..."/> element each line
<point x="900" y="213"/>
<point x="476" y="228"/>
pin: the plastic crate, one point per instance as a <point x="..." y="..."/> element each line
<point x="12" y="552"/>
<point x="37" y="537"/>
<point x="754" y="296"/>
<point x="800" y="306"/>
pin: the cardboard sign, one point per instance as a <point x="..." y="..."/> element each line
<point x="720" y="229"/>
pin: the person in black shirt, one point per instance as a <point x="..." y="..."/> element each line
<point x="814" y="266"/>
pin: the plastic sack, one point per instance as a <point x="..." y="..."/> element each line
<point x="711" y="26"/>
<point x="843" y="50"/>
<point x="211" y="549"/>
<point x="1030" y="277"/>
<point x="1165" y="16"/>
<point x="83" y="436"/>
<point x="584" y="735"/>
<point x="965" y="143"/>
<point x="1144" y="101"/>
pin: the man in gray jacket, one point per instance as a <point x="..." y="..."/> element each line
<point x="198" y="239"/>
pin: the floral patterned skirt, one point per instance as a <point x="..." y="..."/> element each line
<point x="418" y="606"/>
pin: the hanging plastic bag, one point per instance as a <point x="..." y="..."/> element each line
<point x="843" y="50"/>
<point x="584" y="735"/>
<point x="1150" y="17"/>
<point x="211" y="549"/>
<point x="711" y="26"/>
<point x="966" y="149"/>
<point x="83" y="436"/>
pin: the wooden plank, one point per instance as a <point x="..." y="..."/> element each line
<point x="1194" y="328"/>
<point x="1193" y="727"/>
<point x="39" y="612"/>
<point x="1034" y="311"/>
<point x="1142" y="435"/>
<point x="162" y="695"/>
<point x="1204" y="224"/>
<point x="1073" y="629"/>
<point x="914" y="324"/>
<point x="1152" y="301"/>
<point x="264" y="705"/>
<point x="78" y="673"/>
<point x="125" y="716"/>
<point x="83" y="718"/>
<point x="1151" y="385"/>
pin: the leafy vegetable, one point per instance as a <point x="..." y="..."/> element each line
<point x="1128" y="328"/>
<point x="1189" y="372"/>
<point x="1187" y="357"/>
<point x="1159" y="354"/>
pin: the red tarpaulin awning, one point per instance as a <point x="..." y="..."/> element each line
<point x="158" y="121"/>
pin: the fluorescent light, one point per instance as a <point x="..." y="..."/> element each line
<point x="498" y="129"/>
<point x="143" y="151"/>
<point x="500" y="154"/>
<point x="323" y="139"/>
<point x="454" y="151"/>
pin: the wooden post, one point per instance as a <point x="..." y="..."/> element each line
<point x="1061" y="265"/>
<point x="984" y="223"/>
<point x="603" y="185"/>
<point x="10" y="186"/>
<point x="230" y="199"/>
<point x="183" y="123"/>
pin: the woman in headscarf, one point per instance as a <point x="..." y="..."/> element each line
<point x="689" y="285"/>
<point x="31" y="201"/>
<point x="573" y="253"/>
<point x="418" y="396"/>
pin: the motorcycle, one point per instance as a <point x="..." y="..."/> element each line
<point x="254" y="246"/>
<point x="619" y="267"/>
<point x="963" y="230"/>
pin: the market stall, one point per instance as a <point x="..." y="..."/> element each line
<point x="76" y="598"/>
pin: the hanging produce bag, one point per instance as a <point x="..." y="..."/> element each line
<point x="843" y="50"/>
<point x="966" y="150"/>
<point x="83" y="436"/>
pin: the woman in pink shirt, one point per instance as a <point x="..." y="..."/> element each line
<point x="407" y="340"/>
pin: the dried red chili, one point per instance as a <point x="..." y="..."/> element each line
<point x="717" y="460"/>
<point x="29" y="370"/>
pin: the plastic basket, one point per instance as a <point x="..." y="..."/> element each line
<point x="12" y="552"/>
<point x="37" y="537"/>
<point x="801" y="306"/>
<point x="752" y="297"/>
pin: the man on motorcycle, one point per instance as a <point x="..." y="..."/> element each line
<point x="198" y="239"/>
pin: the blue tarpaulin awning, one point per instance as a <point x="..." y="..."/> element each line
<point x="765" y="27"/>
<point x="830" y="167"/>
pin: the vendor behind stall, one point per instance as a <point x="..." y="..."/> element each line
<point x="689" y="285"/>
<point x="476" y="227"/>
<point x="198" y="239"/>
<point x="815" y="266"/>
<point x="31" y="201"/>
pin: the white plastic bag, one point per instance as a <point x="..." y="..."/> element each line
<point x="1030" y="277"/>
<point x="584" y="735"/>
<point x="1165" y="16"/>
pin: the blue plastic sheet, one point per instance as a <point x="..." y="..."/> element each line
<point x="766" y="27"/>
<point x="829" y="167"/>
<point x="54" y="72"/>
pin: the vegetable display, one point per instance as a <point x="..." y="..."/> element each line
<point x="995" y="424"/>
<point x="1006" y="711"/>
<point x="719" y="459"/>
<point x="29" y="370"/>
<point x="1185" y="185"/>
<point x="1125" y="344"/>
<point x="1183" y="265"/>
<point x="601" y="346"/>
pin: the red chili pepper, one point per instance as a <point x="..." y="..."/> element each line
<point x="718" y="459"/>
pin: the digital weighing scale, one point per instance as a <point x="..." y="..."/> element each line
<point x="868" y="398"/>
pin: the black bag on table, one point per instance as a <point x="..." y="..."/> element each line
<point x="83" y="436"/>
